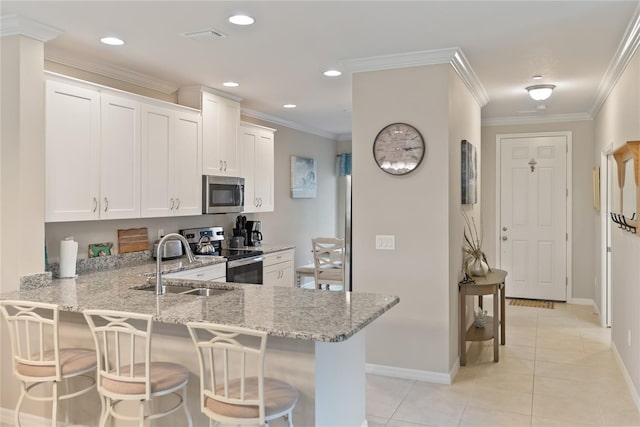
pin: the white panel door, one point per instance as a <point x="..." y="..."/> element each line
<point x="157" y="131"/>
<point x="120" y="158"/>
<point x="248" y="137"/>
<point x="187" y="181"/>
<point x="72" y="152"/>
<point x="211" y="161"/>
<point x="533" y="216"/>
<point x="229" y="146"/>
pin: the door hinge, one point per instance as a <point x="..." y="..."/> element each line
<point x="566" y="281"/>
<point x="567" y="192"/>
<point x="608" y="248"/>
<point x="566" y="236"/>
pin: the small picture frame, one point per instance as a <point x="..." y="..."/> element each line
<point x="469" y="173"/>
<point x="303" y="178"/>
<point x="100" y="249"/>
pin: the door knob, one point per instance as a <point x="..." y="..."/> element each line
<point x="504" y="237"/>
<point x="504" y="228"/>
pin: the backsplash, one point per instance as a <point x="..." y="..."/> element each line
<point x="88" y="265"/>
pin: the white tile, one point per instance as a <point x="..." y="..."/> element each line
<point x="492" y="418"/>
<point x="384" y="395"/>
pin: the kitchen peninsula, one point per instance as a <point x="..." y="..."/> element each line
<point x="316" y="338"/>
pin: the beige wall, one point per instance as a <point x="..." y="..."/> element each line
<point x="582" y="238"/>
<point x="464" y="123"/>
<point x="415" y="208"/>
<point x="22" y="168"/>
<point x="617" y="122"/>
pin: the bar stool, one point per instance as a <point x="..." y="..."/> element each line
<point x="328" y="257"/>
<point x="125" y="370"/>
<point x="37" y="356"/>
<point x="237" y="398"/>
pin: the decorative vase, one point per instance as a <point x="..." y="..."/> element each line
<point x="477" y="267"/>
<point x="480" y="318"/>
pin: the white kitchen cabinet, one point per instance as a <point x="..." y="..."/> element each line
<point x="92" y="154"/>
<point x="171" y="144"/>
<point x="257" y="145"/>
<point x="278" y="268"/>
<point x="210" y="273"/>
<point x="119" y="157"/>
<point x="221" y="151"/>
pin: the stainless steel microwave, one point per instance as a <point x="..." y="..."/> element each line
<point x="222" y="194"/>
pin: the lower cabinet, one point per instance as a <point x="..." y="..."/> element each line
<point x="278" y="268"/>
<point x="210" y="273"/>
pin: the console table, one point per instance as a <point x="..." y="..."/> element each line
<point x="491" y="284"/>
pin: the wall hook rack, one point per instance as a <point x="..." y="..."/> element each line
<point x="621" y="220"/>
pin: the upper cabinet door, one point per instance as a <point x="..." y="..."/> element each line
<point x="264" y="172"/>
<point x="220" y="120"/>
<point x="120" y="158"/>
<point x="72" y="152"/>
<point x="157" y="135"/>
<point x="187" y="181"/>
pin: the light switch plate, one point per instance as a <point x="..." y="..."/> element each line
<point x="386" y="242"/>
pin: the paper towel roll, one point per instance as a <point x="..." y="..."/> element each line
<point x="68" y="257"/>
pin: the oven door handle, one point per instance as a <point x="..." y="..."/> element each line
<point x="244" y="261"/>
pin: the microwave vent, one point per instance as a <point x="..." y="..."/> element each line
<point x="207" y="34"/>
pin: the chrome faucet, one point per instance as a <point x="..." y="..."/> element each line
<point x="187" y="248"/>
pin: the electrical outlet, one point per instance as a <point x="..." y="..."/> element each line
<point x="386" y="242"/>
<point x="160" y="233"/>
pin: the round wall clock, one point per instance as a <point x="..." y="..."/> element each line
<point x="398" y="148"/>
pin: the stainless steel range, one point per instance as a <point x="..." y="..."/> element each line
<point x="243" y="265"/>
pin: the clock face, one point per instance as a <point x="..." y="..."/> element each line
<point x="398" y="148"/>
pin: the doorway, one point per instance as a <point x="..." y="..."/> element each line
<point x="606" y="181"/>
<point x="534" y="214"/>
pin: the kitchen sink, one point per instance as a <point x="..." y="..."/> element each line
<point x="185" y="290"/>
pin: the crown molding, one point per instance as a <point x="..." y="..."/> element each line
<point x="293" y="125"/>
<point x="13" y="25"/>
<point x="344" y="137"/>
<point x="552" y="118"/>
<point x="453" y="56"/>
<point x="626" y="49"/>
<point x="108" y="70"/>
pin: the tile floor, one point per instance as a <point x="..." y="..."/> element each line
<point x="556" y="369"/>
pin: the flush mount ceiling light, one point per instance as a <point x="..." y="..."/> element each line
<point x="289" y="106"/>
<point x="540" y="92"/>
<point x="332" y="73"/>
<point x="230" y="84"/>
<point x="241" y="20"/>
<point x="113" y="41"/>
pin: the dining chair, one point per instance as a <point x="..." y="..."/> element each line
<point x="125" y="369"/>
<point x="233" y="388"/>
<point x="39" y="360"/>
<point x="328" y="258"/>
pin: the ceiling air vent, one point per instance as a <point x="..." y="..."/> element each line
<point x="207" y="34"/>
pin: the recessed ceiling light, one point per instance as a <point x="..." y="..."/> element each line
<point x="536" y="77"/>
<point x="241" y="20"/>
<point x="332" y="73"/>
<point x="230" y="84"/>
<point x="289" y="106"/>
<point x="113" y="41"/>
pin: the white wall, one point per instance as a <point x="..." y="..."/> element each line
<point x="415" y="208"/>
<point x="617" y="122"/>
<point x="22" y="168"/>
<point x="582" y="237"/>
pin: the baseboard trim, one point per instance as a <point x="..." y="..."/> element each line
<point x="412" y="374"/>
<point x="29" y="420"/>
<point x="627" y="378"/>
<point x="581" y="301"/>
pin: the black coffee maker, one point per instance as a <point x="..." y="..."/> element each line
<point x="254" y="233"/>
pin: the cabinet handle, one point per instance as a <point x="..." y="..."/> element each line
<point x="260" y="198"/>
<point x="225" y="165"/>
<point x="255" y="203"/>
<point x="106" y="204"/>
<point x="95" y="204"/>
<point x="172" y="203"/>
<point x="178" y="205"/>
<point x="220" y="165"/>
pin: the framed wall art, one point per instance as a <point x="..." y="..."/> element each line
<point x="304" y="182"/>
<point x="469" y="173"/>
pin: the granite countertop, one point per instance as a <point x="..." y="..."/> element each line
<point x="305" y="314"/>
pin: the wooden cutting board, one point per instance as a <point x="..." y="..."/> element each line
<point x="133" y="240"/>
